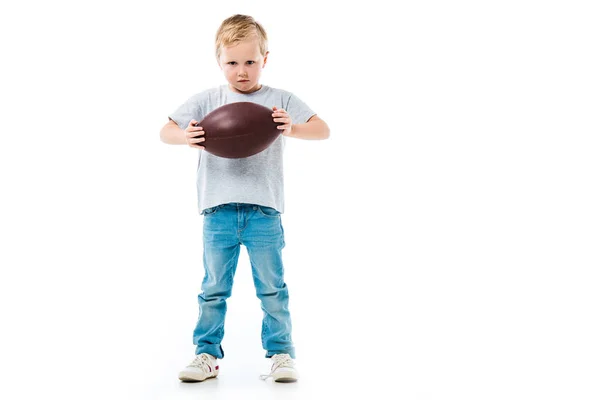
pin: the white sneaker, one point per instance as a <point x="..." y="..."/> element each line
<point x="283" y="369"/>
<point x="203" y="367"/>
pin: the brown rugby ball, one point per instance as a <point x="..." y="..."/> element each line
<point x="239" y="130"/>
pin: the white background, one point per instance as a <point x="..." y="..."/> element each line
<point x="442" y="244"/>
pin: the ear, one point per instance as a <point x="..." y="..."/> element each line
<point x="265" y="59"/>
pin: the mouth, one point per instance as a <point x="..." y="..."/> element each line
<point x="243" y="81"/>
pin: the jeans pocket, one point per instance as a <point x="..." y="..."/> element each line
<point x="210" y="211"/>
<point x="268" y="211"/>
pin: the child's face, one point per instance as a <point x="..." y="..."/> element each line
<point x="242" y="65"/>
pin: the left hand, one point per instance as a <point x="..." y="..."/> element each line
<point x="280" y="115"/>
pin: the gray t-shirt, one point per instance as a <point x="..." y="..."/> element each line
<point x="257" y="179"/>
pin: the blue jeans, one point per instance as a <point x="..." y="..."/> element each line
<point x="259" y="228"/>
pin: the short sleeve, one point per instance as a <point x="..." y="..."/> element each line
<point x="191" y="109"/>
<point x="298" y="110"/>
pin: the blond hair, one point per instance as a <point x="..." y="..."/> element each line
<point x="238" y="28"/>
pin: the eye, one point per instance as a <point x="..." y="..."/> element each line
<point x="231" y="62"/>
<point x="251" y="62"/>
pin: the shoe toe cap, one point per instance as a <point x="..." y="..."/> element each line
<point x="284" y="374"/>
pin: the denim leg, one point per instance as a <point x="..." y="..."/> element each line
<point x="221" y="253"/>
<point x="263" y="237"/>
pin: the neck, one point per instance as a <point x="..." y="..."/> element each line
<point x="231" y="88"/>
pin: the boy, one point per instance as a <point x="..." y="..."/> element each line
<point x="241" y="200"/>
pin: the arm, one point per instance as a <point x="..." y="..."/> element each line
<point x="193" y="135"/>
<point x="314" y="129"/>
<point x="171" y="133"/>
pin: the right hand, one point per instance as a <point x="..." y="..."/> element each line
<point x="193" y="135"/>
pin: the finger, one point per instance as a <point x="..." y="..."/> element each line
<point x="197" y="140"/>
<point x="193" y="122"/>
<point x="192" y="133"/>
<point x="281" y="120"/>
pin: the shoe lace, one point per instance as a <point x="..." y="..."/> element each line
<point x="201" y="361"/>
<point x="279" y="360"/>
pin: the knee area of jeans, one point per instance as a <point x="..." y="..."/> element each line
<point x="273" y="299"/>
<point x="214" y="294"/>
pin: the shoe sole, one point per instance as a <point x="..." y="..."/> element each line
<point x="186" y="378"/>
<point x="285" y="380"/>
